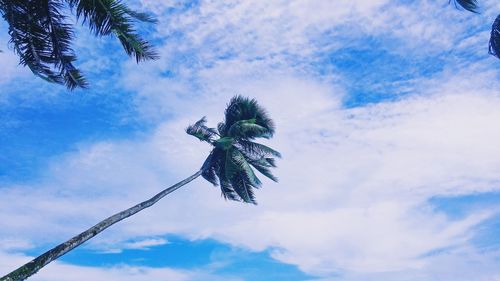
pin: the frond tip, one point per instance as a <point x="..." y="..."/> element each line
<point x="107" y="17"/>
<point x="201" y="131"/>
<point x="495" y="38"/>
<point x="469" y="5"/>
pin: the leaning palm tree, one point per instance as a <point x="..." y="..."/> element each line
<point x="229" y="165"/>
<point x="41" y="35"/>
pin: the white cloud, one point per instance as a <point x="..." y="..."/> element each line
<point x="10" y="69"/>
<point x="144" y="244"/>
<point x="353" y="190"/>
<point x="14" y="244"/>
<point x="298" y="33"/>
<point x="59" y="271"/>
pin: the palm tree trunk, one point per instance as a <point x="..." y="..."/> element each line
<point x="35" y="265"/>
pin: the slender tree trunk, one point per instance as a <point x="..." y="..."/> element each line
<point x="35" y="265"/>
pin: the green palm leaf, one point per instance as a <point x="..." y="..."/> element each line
<point x="227" y="191"/>
<point x="106" y="17"/>
<point x="262" y="165"/>
<point x="248" y="129"/>
<point x="61" y="35"/>
<point x="495" y="38"/>
<point x="244" y="167"/>
<point x="27" y="35"/>
<point x="201" y="131"/>
<point x="209" y="168"/>
<point x="243" y="188"/>
<point x="257" y="150"/>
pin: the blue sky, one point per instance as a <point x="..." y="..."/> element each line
<point x="387" y="117"/>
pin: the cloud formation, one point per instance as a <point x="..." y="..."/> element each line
<point x="353" y="201"/>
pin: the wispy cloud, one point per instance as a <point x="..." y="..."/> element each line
<point x="144" y="244"/>
<point x="59" y="271"/>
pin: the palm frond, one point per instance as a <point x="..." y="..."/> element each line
<point x="227" y="191"/>
<point x="256" y="150"/>
<point x="105" y="17"/>
<point x="495" y="38"/>
<point x="210" y="167"/>
<point x="221" y="128"/>
<point x="32" y="50"/>
<point x="262" y="165"/>
<point x="61" y="35"/>
<point x="242" y="108"/>
<point x="224" y="143"/>
<point x="201" y="131"/>
<point x="263" y="162"/>
<point x="230" y="168"/>
<point x="42" y="39"/>
<point x="248" y="129"/>
<point x="144" y="17"/>
<point x="469" y="5"/>
<point x="240" y="175"/>
<point x="244" y="167"/>
<point x="243" y="188"/>
<point x="271" y="162"/>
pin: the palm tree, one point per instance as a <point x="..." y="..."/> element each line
<point x="494" y="45"/>
<point x="235" y="153"/>
<point x="230" y="165"/>
<point x="41" y="35"/>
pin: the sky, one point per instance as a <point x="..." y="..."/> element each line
<point x="387" y="117"/>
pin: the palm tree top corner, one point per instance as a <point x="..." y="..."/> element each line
<point x="235" y="153"/>
<point x="42" y="37"/>
<point x="473" y="6"/>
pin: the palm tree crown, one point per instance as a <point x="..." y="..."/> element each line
<point x="41" y="35"/>
<point x="234" y="155"/>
